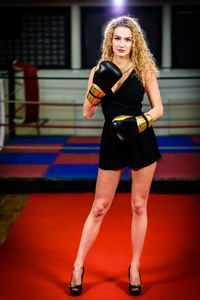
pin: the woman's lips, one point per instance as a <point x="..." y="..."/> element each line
<point x="121" y="50"/>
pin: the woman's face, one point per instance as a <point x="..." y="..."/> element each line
<point x="122" y="41"/>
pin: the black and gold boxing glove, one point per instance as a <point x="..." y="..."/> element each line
<point x="124" y="128"/>
<point x="105" y="77"/>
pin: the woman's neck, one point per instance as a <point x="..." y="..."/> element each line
<point x="124" y="63"/>
<point x="120" y="61"/>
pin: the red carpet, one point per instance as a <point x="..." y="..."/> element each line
<point x="37" y="257"/>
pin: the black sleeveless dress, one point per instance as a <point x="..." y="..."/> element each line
<point x="140" y="152"/>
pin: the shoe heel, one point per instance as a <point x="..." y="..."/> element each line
<point x="78" y="288"/>
<point x="135" y="286"/>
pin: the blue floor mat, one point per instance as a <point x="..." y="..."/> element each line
<point x="37" y="140"/>
<point x="179" y="150"/>
<point x="76" y="171"/>
<point x="81" y="148"/>
<point x="177" y="144"/>
<point x="27" y="158"/>
<point x="167" y="141"/>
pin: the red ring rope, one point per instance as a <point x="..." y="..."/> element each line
<point x="90" y="127"/>
<point x="80" y="104"/>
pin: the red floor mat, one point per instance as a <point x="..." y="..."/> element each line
<point x="36" y="260"/>
<point x="23" y="171"/>
<point x="178" y="165"/>
<point x="84" y="140"/>
<point x="33" y="148"/>
<point x="77" y="159"/>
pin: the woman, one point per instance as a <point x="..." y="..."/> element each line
<point x="125" y="47"/>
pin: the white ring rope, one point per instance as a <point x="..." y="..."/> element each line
<point x="93" y="147"/>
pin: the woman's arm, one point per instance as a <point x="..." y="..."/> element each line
<point x="153" y="92"/>
<point x="88" y="108"/>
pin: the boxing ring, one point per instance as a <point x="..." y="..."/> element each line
<point x="69" y="160"/>
<point x="64" y="167"/>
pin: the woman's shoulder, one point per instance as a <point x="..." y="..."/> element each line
<point x="92" y="71"/>
<point x="94" y="68"/>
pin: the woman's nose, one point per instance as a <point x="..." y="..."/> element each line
<point x="121" y="43"/>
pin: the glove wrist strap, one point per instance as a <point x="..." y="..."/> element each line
<point x="149" y="118"/>
<point x="95" y="94"/>
<point x="144" y="121"/>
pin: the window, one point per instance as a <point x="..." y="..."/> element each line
<point x="186" y="37"/>
<point x="38" y="36"/>
<point x="94" y="20"/>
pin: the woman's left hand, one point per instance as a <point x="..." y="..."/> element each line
<point x="153" y="92"/>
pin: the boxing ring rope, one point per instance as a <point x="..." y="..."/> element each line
<point x="91" y="127"/>
<point x="89" y="148"/>
<point x="81" y="104"/>
<point x="61" y="104"/>
<point x="5" y="76"/>
<point x="35" y="102"/>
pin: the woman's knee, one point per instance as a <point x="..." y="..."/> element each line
<point x="139" y="207"/>
<point x="99" y="210"/>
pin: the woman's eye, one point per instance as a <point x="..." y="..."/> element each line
<point x="128" y="40"/>
<point x="116" y="38"/>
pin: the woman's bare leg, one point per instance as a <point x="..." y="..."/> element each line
<point x="107" y="182"/>
<point x="141" y="182"/>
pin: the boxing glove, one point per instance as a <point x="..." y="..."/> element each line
<point x="124" y="128"/>
<point x="105" y="76"/>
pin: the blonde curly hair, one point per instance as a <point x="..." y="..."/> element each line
<point x="143" y="61"/>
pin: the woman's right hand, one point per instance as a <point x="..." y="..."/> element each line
<point x="88" y="110"/>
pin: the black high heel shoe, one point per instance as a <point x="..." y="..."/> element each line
<point x="135" y="286"/>
<point x="76" y="290"/>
